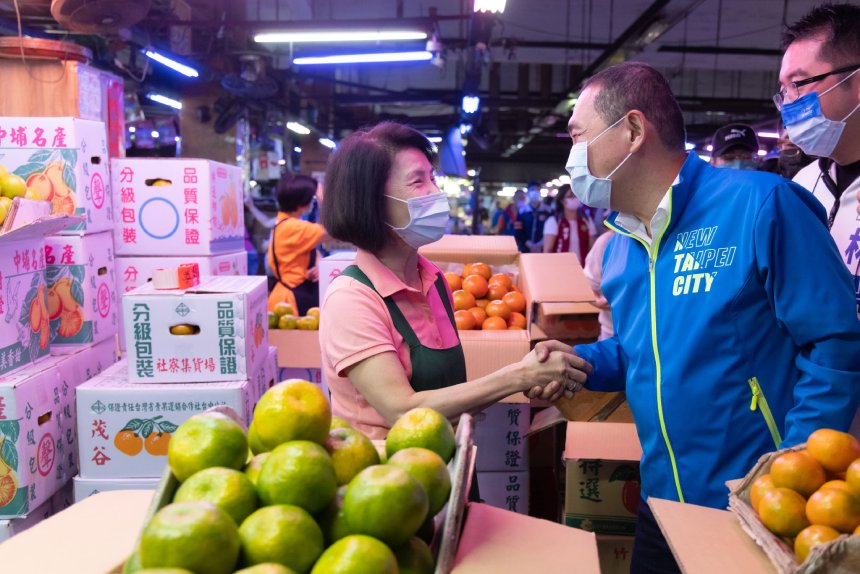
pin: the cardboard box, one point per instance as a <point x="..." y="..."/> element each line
<point x="38" y="436"/>
<point x="132" y="272"/>
<point x="82" y="295"/>
<point x="67" y="160"/>
<point x="507" y="490"/>
<point x="332" y="266"/>
<point x="602" y="477"/>
<point x="495" y="540"/>
<point x="615" y="553"/>
<point x="297" y="349"/>
<point x="25" y="332"/>
<point x="568" y="321"/>
<point x="86" y="487"/>
<point x="109" y="405"/>
<point x="177" y="207"/>
<point x="543" y="278"/>
<point x="500" y="432"/>
<point x="231" y="338"/>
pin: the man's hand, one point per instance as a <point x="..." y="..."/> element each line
<point x="542" y="351"/>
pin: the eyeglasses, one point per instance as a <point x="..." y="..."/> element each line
<point x="792" y="91"/>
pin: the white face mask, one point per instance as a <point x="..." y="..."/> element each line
<point x="592" y="191"/>
<point x="428" y="217"/>
<point x="808" y="127"/>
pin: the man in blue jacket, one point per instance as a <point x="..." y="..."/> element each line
<point x="732" y="309"/>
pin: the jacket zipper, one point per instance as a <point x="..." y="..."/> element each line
<point x="760" y="402"/>
<point x="652" y="257"/>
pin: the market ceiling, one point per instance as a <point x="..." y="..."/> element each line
<point x="721" y="57"/>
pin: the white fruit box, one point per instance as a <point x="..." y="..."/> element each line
<point x="229" y="323"/>
<point x="177" y="207"/>
<point x="500" y="434"/>
<point x="82" y="295"/>
<point x="38" y="446"/>
<point x="66" y="161"/>
<point x="24" y="322"/>
<point x="331" y="266"/>
<point x="86" y="487"/>
<point x="128" y="426"/>
<point x="506" y="490"/>
<point x="134" y="271"/>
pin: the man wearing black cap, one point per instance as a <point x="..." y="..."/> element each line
<point x="735" y="146"/>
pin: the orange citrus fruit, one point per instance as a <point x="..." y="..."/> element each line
<point x="282" y="534"/>
<point x="465" y="320"/>
<point x="127" y="442"/>
<point x="463" y="300"/>
<point x="496" y="291"/>
<point x="494" y="324"/>
<point x="515" y="301"/>
<point x="455" y="282"/>
<point x="838" y="485"/>
<point x="479" y="315"/>
<point x="810" y="537"/>
<point x="351" y="452"/>
<point x="476" y="285"/>
<point x="797" y="471"/>
<point x="429" y="470"/>
<point x="357" y="554"/>
<point x="206" y="440"/>
<point x="502" y="279"/>
<point x="300" y="473"/>
<point x="156" y="443"/>
<point x="8" y="488"/>
<point x="838" y="509"/>
<point x="197" y="536"/>
<point x="761" y="485"/>
<point x="833" y="449"/>
<point x="230" y="490"/>
<point x="422" y="427"/>
<point x="498" y="309"/>
<point x="517" y="320"/>
<point x="482" y="303"/>
<point x="782" y="511"/>
<point x="385" y="502"/>
<point x="852" y="476"/>
<point x="292" y="410"/>
<point x="481" y="269"/>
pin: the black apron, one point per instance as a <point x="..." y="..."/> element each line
<point x="307" y="292"/>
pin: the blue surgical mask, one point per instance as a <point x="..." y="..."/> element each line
<point x="428" y="217"/>
<point x="807" y="126"/>
<point x="592" y="191"/>
<point x="747" y="164"/>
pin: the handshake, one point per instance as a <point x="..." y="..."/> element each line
<point x="552" y="370"/>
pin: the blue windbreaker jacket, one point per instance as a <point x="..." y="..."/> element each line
<point x="737" y="334"/>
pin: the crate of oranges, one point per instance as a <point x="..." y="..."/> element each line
<point x="802" y="505"/>
<point x="486" y="299"/>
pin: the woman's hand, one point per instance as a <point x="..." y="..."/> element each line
<point x="552" y="365"/>
<point x="313" y="274"/>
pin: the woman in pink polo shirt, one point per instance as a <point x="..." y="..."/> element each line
<point x="387" y="331"/>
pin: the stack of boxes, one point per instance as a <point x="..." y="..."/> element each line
<point x="131" y="410"/>
<point x="502" y="463"/>
<point x="58" y="308"/>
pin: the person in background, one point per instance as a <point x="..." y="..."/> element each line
<point x="501" y="223"/>
<point x="819" y="99"/>
<point x="725" y="288"/>
<point x="522" y="217"/>
<point x="569" y="229"/>
<point x="735" y="146"/>
<point x="791" y="158"/>
<point x="540" y="213"/>
<point x="594" y="274"/>
<point x="292" y="249"/>
<point x="388" y="337"/>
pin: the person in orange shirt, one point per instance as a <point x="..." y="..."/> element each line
<point x="292" y="248"/>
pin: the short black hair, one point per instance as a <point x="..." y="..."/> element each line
<point x="839" y="24"/>
<point x="354" y="206"/>
<point x="295" y="191"/>
<point x="637" y="86"/>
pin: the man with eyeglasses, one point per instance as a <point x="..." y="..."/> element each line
<point x="819" y="99"/>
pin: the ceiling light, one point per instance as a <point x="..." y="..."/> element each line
<point x="154" y="134"/>
<point x="709" y="147"/>
<point x="176" y="104"/>
<point x="471" y="173"/>
<point x="172" y="64"/>
<point x="762" y="152"/>
<point x="131" y="129"/>
<point x="364" y="58"/>
<point x="282" y="162"/>
<point x="471" y="104"/>
<point x="298" y="128"/>
<point x="297" y="149"/>
<point x="768" y="135"/>
<point x="328" y="143"/>
<point x="340" y="36"/>
<point x="435" y="139"/>
<point x="689" y="146"/>
<point x="494" y="6"/>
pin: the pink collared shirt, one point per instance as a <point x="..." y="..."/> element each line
<point x="355" y="324"/>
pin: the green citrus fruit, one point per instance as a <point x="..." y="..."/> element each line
<point x="414" y="557"/>
<point x="300" y="473"/>
<point x="273" y="320"/>
<point x="230" y="490"/>
<point x="429" y="470"/>
<point x="357" y="554"/>
<point x="332" y="520"/>
<point x="12" y="185"/>
<point x="424" y="428"/>
<point x="266" y="568"/>
<point x="288" y="322"/>
<point x="164" y="571"/>
<point x="254" y="466"/>
<point x="386" y="503"/>
<point x="195" y="535"/>
<point x="339" y="423"/>
<point x="254" y="441"/>
<point x="292" y="410"/>
<point x="351" y="452"/>
<point x="281" y="309"/>
<point x="282" y="534"/>
<point x="206" y="440"/>
<point x="132" y="565"/>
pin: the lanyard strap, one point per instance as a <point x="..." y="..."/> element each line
<point x="824" y="164"/>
